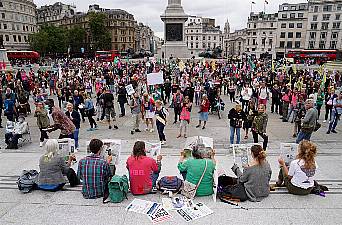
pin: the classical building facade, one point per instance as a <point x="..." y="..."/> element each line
<point x="237" y="42"/>
<point x="144" y="38"/>
<point x="202" y="34"/>
<point x="52" y="14"/>
<point x="292" y="25"/>
<point x="261" y="34"/>
<point x="324" y="29"/>
<point x="17" y="22"/>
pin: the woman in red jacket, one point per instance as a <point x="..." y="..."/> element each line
<point x="203" y="113"/>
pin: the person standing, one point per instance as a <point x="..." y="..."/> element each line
<point x="319" y="101"/>
<point x="122" y="99"/>
<point x="259" y="126"/>
<point x="275" y="99"/>
<point x="43" y="122"/>
<point x="236" y="117"/>
<point x="136" y="111"/>
<point x="204" y="111"/>
<point x="108" y="101"/>
<point x="167" y="90"/>
<point x="309" y="122"/>
<point x="336" y="113"/>
<point x="161" y="119"/>
<point x="263" y="94"/>
<point x="177" y="104"/>
<point x="148" y="106"/>
<point x="76" y="119"/>
<point x="184" y="118"/>
<point x="329" y="103"/>
<point x="90" y="112"/>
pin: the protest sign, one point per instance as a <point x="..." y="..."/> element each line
<point x="130" y="89"/>
<point x="110" y="147"/>
<point x="288" y="152"/>
<point x="66" y="146"/>
<point x="153" y="149"/>
<point x="240" y="154"/>
<point x="199" y="210"/>
<point x="155" y="78"/>
<point x="201" y="142"/>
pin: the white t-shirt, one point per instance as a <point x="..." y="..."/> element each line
<point x="301" y="177"/>
<point x="263" y="93"/>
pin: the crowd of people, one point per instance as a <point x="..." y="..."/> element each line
<point x="76" y="89"/>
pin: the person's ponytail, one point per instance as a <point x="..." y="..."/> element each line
<point x="258" y="153"/>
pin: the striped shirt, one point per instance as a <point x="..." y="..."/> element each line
<point x="94" y="171"/>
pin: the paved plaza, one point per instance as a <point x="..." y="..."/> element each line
<point x="69" y="207"/>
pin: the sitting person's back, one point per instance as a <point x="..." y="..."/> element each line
<point x="194" y="168"/>
<point x="256" y="177"/>
<point x="53" y="168"/>
<point x="143" y="170"/>
<point x="94" y="171"/>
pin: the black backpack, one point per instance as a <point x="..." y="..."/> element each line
<point x="229" y="190"/>
<point x="28" y="181"/>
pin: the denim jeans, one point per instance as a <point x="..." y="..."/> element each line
<point x="234" y="130"/>
<point x="76" y="132"/>
<point x="154" y="176"/>
<point x="334" y="120"/>
<point x="303" y="136"/>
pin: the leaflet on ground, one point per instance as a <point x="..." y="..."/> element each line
<point x="199" y="210"/>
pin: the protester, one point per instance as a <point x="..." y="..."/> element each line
<point x="336" y="113"/>
<point x="9" y="109"/>
<point x="53" y="168"/>
<point x="148" y="106"/>
<point x="122" y="99"/>
<point x="90" y="112"/>
<point x="299" y="177"/>
<point x="204" y="111"/>
<point x="161" y="120"/>
<point x="94" y="171"/>
<point x="43" y="122"/>
<point x="177" y="104"/>
<point x="143" y="170"/>
<point x="136" y="112"/>
<point x="109" y="110"/>
<point x="237" y="118"/>
<point x="329" y="99"/>
<point x="75" y="117"/>
<point x="195" y="167"/>
<point x="12" y="136"/>
<point x="259" y="126"/>
<point x="309" y="122"/>
<point x="184" y="118"/>
<point x="251" y="113"/>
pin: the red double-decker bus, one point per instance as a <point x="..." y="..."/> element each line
<point x="318" y="55"/>
<point x="107" y="56"/>
<point x="23" y="55"/>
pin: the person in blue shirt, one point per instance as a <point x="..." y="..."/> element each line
<point x="90" y="112"/>
<point x="10" y="110"/>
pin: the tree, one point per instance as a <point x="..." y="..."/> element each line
<point x="100" y="35"/>
<point x="76" y="39"/>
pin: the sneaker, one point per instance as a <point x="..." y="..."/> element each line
<point x="137" y="130"/>
<point x="203" y="128"/>
<point x="90" y="129"/>
<point x="198" y="126"/>
<point x="132" y="132"/>
<point x="41" y="144"/>
<point x="324" y="121"/>
<point x="96" y="128"/>
<point x="152" y="130"/>
<point x="110" y="127"/>
<point x="146" y="129"/>
<point x="334" y="131"/>
<point x="163" y="142"/>
<point x="328" y="132"/>
<point x="116" y="127"/>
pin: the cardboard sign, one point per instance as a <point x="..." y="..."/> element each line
<point x="288" y="152"/>
<point x="193" y="213"/>
<point x="155" y="78"/>
<point x="130" y="89"/>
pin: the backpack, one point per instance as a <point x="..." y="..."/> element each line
<point x="227" y="190"/>
<point x="171" y="183"/>
<point x="27" y="181"/>
<point x="118" y="188"/>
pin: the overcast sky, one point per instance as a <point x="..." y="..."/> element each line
<point x="149" y="11"/>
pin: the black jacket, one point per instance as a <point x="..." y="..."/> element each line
<point x="236" y="118"/>
<point x="75" y="118"/>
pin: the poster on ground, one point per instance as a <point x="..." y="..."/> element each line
<point x="177" y="203"/>
<point x="199" y="210"/>
<point x="142" y="206"/>
<point x="66" y="146"/>
<point x="110" y="147"/>
<point x="288" y="152"/>
<point x="155" y="78"/>
<point x="159" y="215"/>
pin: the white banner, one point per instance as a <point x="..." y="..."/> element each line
<point x="155" y="78"/>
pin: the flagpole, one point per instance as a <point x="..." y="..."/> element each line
<point x="264" y="7"/>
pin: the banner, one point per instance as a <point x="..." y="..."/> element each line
<point x="155" y="78"/>
<point x="201" y="142"/>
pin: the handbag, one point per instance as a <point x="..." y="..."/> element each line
<point x="190" y="189"/>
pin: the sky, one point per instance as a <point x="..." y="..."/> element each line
<point x="149" y="11"/>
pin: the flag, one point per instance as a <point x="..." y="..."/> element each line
<point x="266" y="2"/>
<point x="273" y="69"/>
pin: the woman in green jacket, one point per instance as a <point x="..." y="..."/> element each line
<point x="194" y="168"/>
<point x="43" y="121"/>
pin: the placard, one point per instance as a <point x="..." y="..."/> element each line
<point x="110" y="147"/>
<point x="240" y="154"/>
<point x="288" y="152"/>
<point x="153" y="149"/>
<point x="130" y="89"/>
<point x="201" y="142"/>
<point x="66" y="146"/>
<point x="177" y="203"/>
<point x="155" y="78"/>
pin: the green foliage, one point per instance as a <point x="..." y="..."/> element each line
<point x="76" y="39"/>
<point x="99" y="32"/>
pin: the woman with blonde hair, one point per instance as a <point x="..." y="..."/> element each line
<point x="299" y="177"/>
<point x="53" y="168"/>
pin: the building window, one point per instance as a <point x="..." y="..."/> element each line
<point x="334" y="35"/>
<point x="292" y="15"/>
<point x="214" y="38"/>
<point x="254" y="42"/>
<point x="1" y="5"/>
<point x="283" y="25"/>
<point x="14" y="38"/>
<point x="298" y="35"/>
<point x="3" y="15"/>
<point x="327" y="8"/>
<point x="299" y="25"/>
<point x="255" y="25"/>
<point x="196" y="38"/>
<point x="254" y="33"/>
<point x="314" y="26"/>
<point x="325" y="26"/>
<point x="284" y="16"/>
<point x="203" y="38"/>
<point x="311" y="45"/>
<point x="5" y="26"/>
<point x="336" y="25"/>
<point x="326" y="17"/>
<point x="333" y="44"/>
<point x="290" y="35"/>
<point x="339" y="7"/>
<point x="197" y="45"/>
<point x="271" y="24"/>
<point x="7" y="37"/>
<point x="270" y="42"/>
<point x="282" y="35"/>
<point x="316" y="9"/>
<point x="289" y="44"/>
<point x="19" y="38"/>
<point x="314" y="17"/>
<point x="322" y="45"/>
<point x="337" y="16"/>
<point x="291" y="25"/>
<point x="191" y="45"/>
<point x="300" y="15"/>
<point x="297" y="44"/>
<point x="323" y="35"/>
